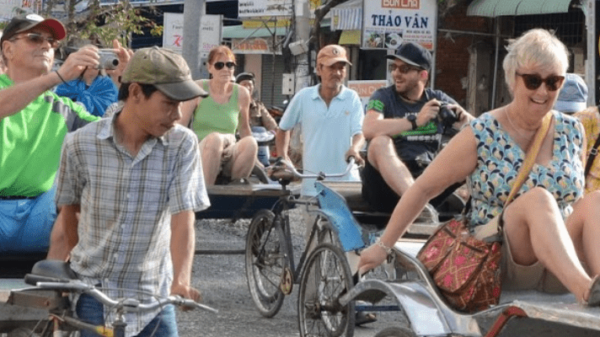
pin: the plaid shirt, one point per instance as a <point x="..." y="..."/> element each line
<point x="126" y="206"/>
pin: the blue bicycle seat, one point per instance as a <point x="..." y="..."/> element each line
<point x="335" y="207"/>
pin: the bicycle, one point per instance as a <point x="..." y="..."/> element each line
<point x="270" y="267"/>
<point x="52" y="280"/>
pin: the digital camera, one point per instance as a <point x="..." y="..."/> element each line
<point x="108" y="59"/>
<point x="447" y="115"/>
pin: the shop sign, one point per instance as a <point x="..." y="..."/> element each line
<point x="255" y="45"/>
<point x="266" y="22"/>
<point x="389" y="23"/>
<point x="210" y="32"/>
<point x="255" y="8"/>
<point x="366" y="88"/>
<point x="258" y="8"/>
<point x="11" y="8"/>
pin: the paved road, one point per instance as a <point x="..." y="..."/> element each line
<point x="222" y="280"/>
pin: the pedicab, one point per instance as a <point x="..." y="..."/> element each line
<point x="418" y="301"/>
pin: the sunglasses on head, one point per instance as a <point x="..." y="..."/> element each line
<point x="405" y="68"/>
<point x="220" y="65"/>
<point x="533" y="81"/>
<point x="38" y="39"/>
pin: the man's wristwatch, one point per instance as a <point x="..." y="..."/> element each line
<point x="413" y="121"/>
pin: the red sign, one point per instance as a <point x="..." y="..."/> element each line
<point x="401" y="4"/>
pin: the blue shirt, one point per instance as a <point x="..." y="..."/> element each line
<point x="327" y="131"/>
<point x="96" y="97"/>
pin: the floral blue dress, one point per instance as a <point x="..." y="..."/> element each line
<point x="499" y="159"/>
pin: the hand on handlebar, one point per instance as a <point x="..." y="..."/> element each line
<point x="352" y="153"/>
<point x="186" y="292"/>
<point x="370" y="258"/>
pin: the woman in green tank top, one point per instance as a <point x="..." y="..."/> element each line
<point x="216" y="118"/>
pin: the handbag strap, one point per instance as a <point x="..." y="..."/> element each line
<point x="530" y="157"/>
<point x="593" y="153"/>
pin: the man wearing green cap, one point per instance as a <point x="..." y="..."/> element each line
<point x="33" y="124"/>
<point x="136" y="179"/>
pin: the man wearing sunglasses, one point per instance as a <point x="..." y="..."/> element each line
<point x="33" y="124"/>
<point x="403" y="128"/>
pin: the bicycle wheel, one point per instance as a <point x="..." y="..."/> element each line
<point x="265" y="263"/>
<point x="326" y="233"/>
<point x="326" y="277"/>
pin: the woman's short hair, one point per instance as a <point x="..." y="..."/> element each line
<point x="220" y="50"/>
<point x="536" y="47"/>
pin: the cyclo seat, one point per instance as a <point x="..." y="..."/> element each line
<point x="50" y="271"/>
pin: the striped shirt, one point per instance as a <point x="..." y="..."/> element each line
<point x="126" y="206"/>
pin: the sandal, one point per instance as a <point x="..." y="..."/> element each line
<point x="365" y="318"/>
<point x="594" y="295"/>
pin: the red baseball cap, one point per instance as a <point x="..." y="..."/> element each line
<point x="19" y="24"/>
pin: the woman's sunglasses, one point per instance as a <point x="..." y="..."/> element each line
<point x="220" y="65"/>
<point x="533" y="81"/>
<point x="38" y="39"/>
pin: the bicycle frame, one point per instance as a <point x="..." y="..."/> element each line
<point x="282" y="222"/>
<point x="54" y="278"/>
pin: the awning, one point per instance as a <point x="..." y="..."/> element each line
<point x="494" y="8"/>
<point x="347" y="15"/>
<point x="350" y="37"/>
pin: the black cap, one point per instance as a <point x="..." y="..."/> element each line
<point x="244" y="77"/>
<point x="413" y="54"/>
<point x="23" y="23"/>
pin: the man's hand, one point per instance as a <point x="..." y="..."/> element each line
<point x="76" y="62"/>
<point x="186" y="291"/>
<point x="352" y="152"/>
<point x="428" y="112"/>
<point x="124" y="55"/>
<point x="461" y="114"/>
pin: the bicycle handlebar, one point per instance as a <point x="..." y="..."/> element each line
<point x="284" y="170"/>
<point x="129" y="304"/>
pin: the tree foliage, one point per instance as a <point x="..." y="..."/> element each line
<point x="103" y="24"/>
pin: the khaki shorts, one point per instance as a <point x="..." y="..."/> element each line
<point x="229" y="151"/>
<point x="516" y="276"/>
<point x="519" y="277"/>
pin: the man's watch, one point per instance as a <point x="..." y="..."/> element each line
<point x="413" y="121"/>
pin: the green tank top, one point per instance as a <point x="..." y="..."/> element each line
<point x="211" y="117"/>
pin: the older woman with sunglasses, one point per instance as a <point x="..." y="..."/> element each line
<point x="216" y="118"/>
<point x="550" y="230"/>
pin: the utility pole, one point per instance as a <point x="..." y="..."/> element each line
<point x="592" y="64"/>
<point x="193" y="10"/>
<point x="302" y="18"/>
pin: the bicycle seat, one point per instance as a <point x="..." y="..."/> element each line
<point x="50" y="271"/>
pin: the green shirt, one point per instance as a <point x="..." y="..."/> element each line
<point x="211" y="116"/>
<point x="31" y="140"/>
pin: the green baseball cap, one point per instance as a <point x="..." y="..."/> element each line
<point x="166" y="70"/>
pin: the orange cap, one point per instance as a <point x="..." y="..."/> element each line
<point x="332" y="54"/>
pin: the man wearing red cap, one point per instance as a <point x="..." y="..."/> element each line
<point x="33" y="124"/>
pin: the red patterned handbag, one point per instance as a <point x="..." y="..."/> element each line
<point x="466" y="269"/>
